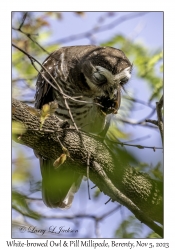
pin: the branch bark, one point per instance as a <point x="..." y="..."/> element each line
<point x="122" y="183"/>
<point x="159" y="106"/>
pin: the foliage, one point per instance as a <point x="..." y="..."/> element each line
<point x="129" y="228"/>
<point x="19" y="203"/>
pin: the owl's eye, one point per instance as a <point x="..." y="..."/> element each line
<point x="101" y="79"/>
<point x="123" y="81"/>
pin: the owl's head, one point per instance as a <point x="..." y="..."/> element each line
<point x="106" y="71"/>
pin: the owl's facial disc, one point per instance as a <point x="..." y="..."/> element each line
<point x="111" y="86"/>
<point x="109" y="82"/>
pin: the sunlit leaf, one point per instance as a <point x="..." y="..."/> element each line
<point x="47" y="110"/>
<point x="114" y="133"/>
<point x="155" y="59"/>
<point x="17" y="55"/>
<point x="60" y="160"/>
<point x="18" y="128"/>
<point x="43" y="36"/>
<point x="21" y="168"/>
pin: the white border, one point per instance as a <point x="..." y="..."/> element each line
<point x="5" y="98"/>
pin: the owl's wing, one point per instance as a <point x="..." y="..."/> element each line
<point x="58" y="185"/>
<point x="54" y="67"/>
<point x="44" y="91"/>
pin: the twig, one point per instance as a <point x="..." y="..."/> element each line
<point x="143" y="123"/>
<point x="28" y="34"/>
<point x="134" y="145"/>
<point x="148" y="116"/>
<point x="33" y="199"/>
<point x="152" y="121"/>
<point x="67" y="217"/>
<point x="159" y="122"/>
<point x="139" y="101"/>
<point x="23" y="20"/>
<point x="105" y="27"/>
<point x="88" y="160"/>
<point x="108" y="201"/>
<point x="159" y="106"/>
<point x="139" y="146"/>
<point x="30" y="37"/>
<point x="139" y="139"/>
<point x="109" y="212"/>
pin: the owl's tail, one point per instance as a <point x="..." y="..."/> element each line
<point x="58" y="185"/>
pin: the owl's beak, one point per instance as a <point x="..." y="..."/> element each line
<point x="110" y="101"/>
<point x="114" y="96"/>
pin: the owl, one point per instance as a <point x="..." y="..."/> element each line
<point x="91" y="77"/>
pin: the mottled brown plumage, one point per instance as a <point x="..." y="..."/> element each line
<point x="96" y="74"/>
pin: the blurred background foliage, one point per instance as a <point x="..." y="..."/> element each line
<point x="40" y="33"/>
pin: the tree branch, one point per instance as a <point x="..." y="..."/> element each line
<point x="159" y="121"/>
<point x="159" y="106"/>
<point x="135" y="190"/>
<point x="102" y="28"/>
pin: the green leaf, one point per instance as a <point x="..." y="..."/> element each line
<point x="155" y="59"/>
<point x="47" y="110"/>
<point x="16" y="56"/>
<point x="153" y="235"/>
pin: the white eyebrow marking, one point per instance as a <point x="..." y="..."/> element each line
<point x="125" y="73"/>
<point x="114" y="78"/>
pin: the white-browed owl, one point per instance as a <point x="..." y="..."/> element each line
<point x="94" y="74"/>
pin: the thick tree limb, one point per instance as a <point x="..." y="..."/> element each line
<point x="135" y="190"/>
